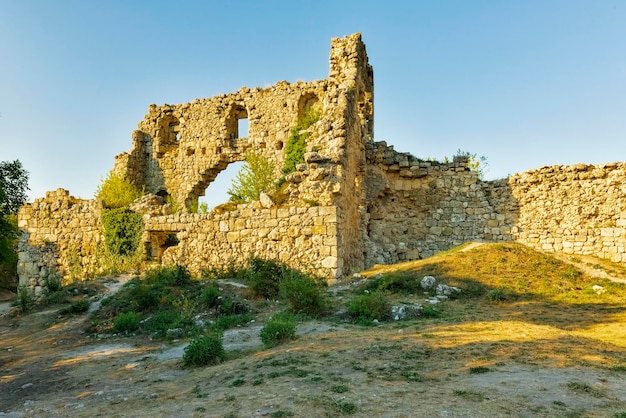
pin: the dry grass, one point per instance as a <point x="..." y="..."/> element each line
<point x="550" y="346"/>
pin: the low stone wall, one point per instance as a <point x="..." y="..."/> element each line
<point x="60" y="237"/>
<point x="578" y="209"/>
<point x="302" y="237"/>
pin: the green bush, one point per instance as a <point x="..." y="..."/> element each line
<point x="430" y="312"/>
<point x="162" y="320"/>
<point x="205" y="350"/>
<point x="122" y="231"/>
<point x="210" y="295"/>
<point x="370" y="306"/>
<point x="126" y="322"/>
<point x="296" y="144"/>
<point x="117" y="191"/>
<point x="303" y="293"/>
<point x="496" y="295"/>
<point x="264" y="277"/>
<point x="9" y="233"/>
<point x="77" y="307"/>
<point x="279" y="329"/>
<point x="397" y="282"/>
<point x="167" y="276"/>
<point x="255" y="177"/>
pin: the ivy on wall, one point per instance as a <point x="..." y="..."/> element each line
<point x="296" y="144"/>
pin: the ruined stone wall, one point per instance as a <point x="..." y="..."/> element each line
<point x="60" y="238"/>
<point x="301" y="237"/>
<point x="417" y="208"/>
<point x="352" y="203"/>
<point x="178" y="150"/>
<point x="578" y="209"/>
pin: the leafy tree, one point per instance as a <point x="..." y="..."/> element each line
<point x="117" y="191"/>
<point x="255" y="177"/>
<point x="13" y="186"/>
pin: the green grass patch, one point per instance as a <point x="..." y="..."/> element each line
<point x="279" y="329"/>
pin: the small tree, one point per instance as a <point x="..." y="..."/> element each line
<point x="13" y="186"/>
<point x="117" y="191"/>
<point x="255" y="177"/>
<point x="475" y="163"/>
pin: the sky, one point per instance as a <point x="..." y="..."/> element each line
<point x="524" y="83"/>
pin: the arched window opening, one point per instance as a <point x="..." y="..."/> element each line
<point x="308" y="102"/>
<point x="217" y="191"/>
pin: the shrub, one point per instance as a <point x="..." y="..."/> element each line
<point x="496" y="295"/>
<point x="210" y="295"/>
<point x="205" y="350"/>
<point x="279" y="329"/>
<point x="255" y="177"/>
<point x="167" y="276"/>
<point x="303" y="293"/>
<point x="77" y="307"/>
<point x="430" y="312"/>
<point x="9" y="233"/>
<point x="117" y="191"/>
<point x="126" y="322"/>
<point x="122" y="231"/>
<point x="25" y="299"/>
<point x="162" y="320"/>
<point x="397" y="282"/>
<point x="53" y="283"/>
<point x="264" y="277"/>
<point x="370" y="306"/>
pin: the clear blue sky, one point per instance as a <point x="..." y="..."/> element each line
<point x="525" y="83"/>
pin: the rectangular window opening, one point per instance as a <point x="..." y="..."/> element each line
<point x="242" y="128"/>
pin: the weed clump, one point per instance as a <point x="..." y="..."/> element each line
<point x="279" y="329"/>
<point x="370" y="306"/>
<point x="77" y="307"/>
<point x="303" y="293"/>
<point x="126" y="322"/>
<point x="205" y="350"/>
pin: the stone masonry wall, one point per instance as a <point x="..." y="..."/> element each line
<point x="60" y="237"/>
<point x="417" y="208"/>
<point x="578" y="209"/>
<point x="301" y="237"/>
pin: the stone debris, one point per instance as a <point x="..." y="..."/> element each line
<point x="598" y="289"/>
<point x="405" y="311"/>
<point x="428" y="282"/>
<point x="445" y="290"/>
